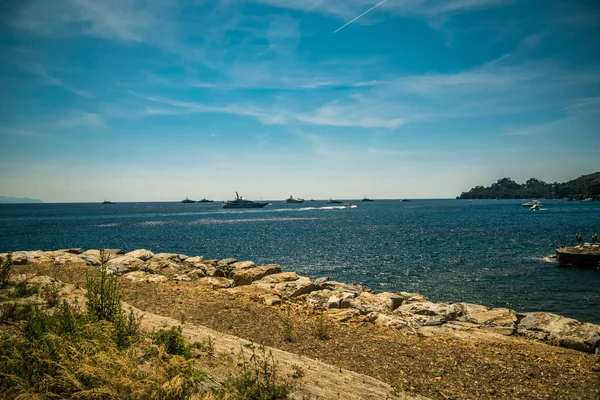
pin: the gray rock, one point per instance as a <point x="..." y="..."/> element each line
<point x="247" y="276"/>
<point x="117" y="269"/>
<point x="318" y="298"/>
<point x="343" y="315"/>
<point x="340" y="300"/>
<point x="74" y="250"/>
<point x="196" y="274"/>
<point x="242" y="265"/>
<point x="182" y="278"/>
<point x="564" y="332"/>
<point x="142" y="254"/>
<point x="390" y="321"/>
<point x="321" y="281"/>
<point x="226" y="262"/>
<point x="341" y="287"/>
<point x="368" y="303"/>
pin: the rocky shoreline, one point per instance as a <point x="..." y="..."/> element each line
<point x="409" y="312"/>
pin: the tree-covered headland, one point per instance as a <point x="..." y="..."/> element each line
<point x="584" y="187"/>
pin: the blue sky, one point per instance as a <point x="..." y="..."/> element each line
<point x="135" y="100"/>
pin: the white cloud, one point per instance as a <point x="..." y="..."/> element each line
<point x="81" y="119"/>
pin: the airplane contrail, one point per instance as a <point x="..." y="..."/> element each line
<point x="369" y="10"/>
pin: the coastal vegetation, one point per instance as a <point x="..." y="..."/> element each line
<point x="272" y="335"/>
<point x="53" y="348"/>
<point x="584" y="187"/>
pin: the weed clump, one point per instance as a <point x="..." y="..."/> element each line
<point x="5" y="269"/>
<point x="258" y="379"/>
<point x="103" y="295"/>
<point x="173" y="341"/>
<point x="322" y="327"/>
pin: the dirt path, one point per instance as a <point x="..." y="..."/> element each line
<point x="319" y="380"/>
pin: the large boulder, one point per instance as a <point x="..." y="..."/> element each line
<point x="389" y="321"/>
<point x="174" y="257"/>
<point x="368" y="303"/>
<point x="126" y="261"/>
<point x="142" y="254"/>
<point x="318" y="298"/>
<point x="242" y="265"/>
<point x="430" y="314"/>
<point x="341" y="287"/>
<point x="280" y="277"/>
<point x="194" y="261"/>
<point x="498" y="320"/>
<point x="247" y="276"/>
<point x="216" y="282"/>
<point x="226" y="262"/>
<point x="413" y="297"/>
<point x="340" y="300"/>
<point x="141" y="276"/>
<point x="559" y="330"/>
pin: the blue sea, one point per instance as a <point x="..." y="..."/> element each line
<point x="479" y="251"/>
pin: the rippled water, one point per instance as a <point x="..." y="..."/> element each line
<point x="486" y="252"/>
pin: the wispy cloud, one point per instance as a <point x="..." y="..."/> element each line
<point x="81" y="119"/>
<point x="53" y="81"/>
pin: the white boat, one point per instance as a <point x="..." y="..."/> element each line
<point x="240" y="203"/>
<point x="536" y="207"/>
<point x="532" y="203"/>
<point x="293" y="200"/>
<point x="348" y="205"/>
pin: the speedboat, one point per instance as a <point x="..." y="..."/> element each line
<point x="186" y="200"/>
<point x="204" y="200"/>
<point x="366" y="199"/>
<point x="348" y="205"/>
<point x="536" y="207"/>
<point x="531" y="203"/>
<point x="331" y="201"/>
<point x="293" y="200"/>
<point x="240" y="203"/>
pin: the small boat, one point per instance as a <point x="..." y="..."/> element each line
<point x="405" y="200"/>
<point x="293" y="200"/>
<point x="367" y="199"/>
<point x="204" y="200"/>
<point x="536" y="207"/>
<point x="331" y="201"/>
<point x="108" y="202"/>
<point x="531" y="203"/>
<point x="240" y="203"/>
<point x="588" y="199"/>
<point x="348" y="205"/>
<point x="186" y="200"/>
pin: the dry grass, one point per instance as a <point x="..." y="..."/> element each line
<point x="441" y="367"/>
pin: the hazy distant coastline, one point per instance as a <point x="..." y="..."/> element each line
<point x="17" y="200"/>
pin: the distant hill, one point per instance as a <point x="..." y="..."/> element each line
<point x="6" y="199"/>
<point x="586" y="186"/>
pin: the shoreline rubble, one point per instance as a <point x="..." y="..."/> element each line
<point x="409" y="312"/>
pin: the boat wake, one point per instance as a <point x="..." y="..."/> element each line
<point x="550" y="259"/>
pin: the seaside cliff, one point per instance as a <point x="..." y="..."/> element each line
<point x="382" y="345"/>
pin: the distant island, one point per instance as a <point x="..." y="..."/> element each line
<point x="15" y="200"/>
<point x="584" y="187"/>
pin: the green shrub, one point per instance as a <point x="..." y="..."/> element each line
<point x="50" y="295"/>
<point x="173" y="341"/>
<point x="5" y="269"/>
<point x="258" y="380"/>
<point x="322" y="327"/>
<point x="127" y="329"/>
<point x="289" y="333"/>
<point x="103" y="295"/>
